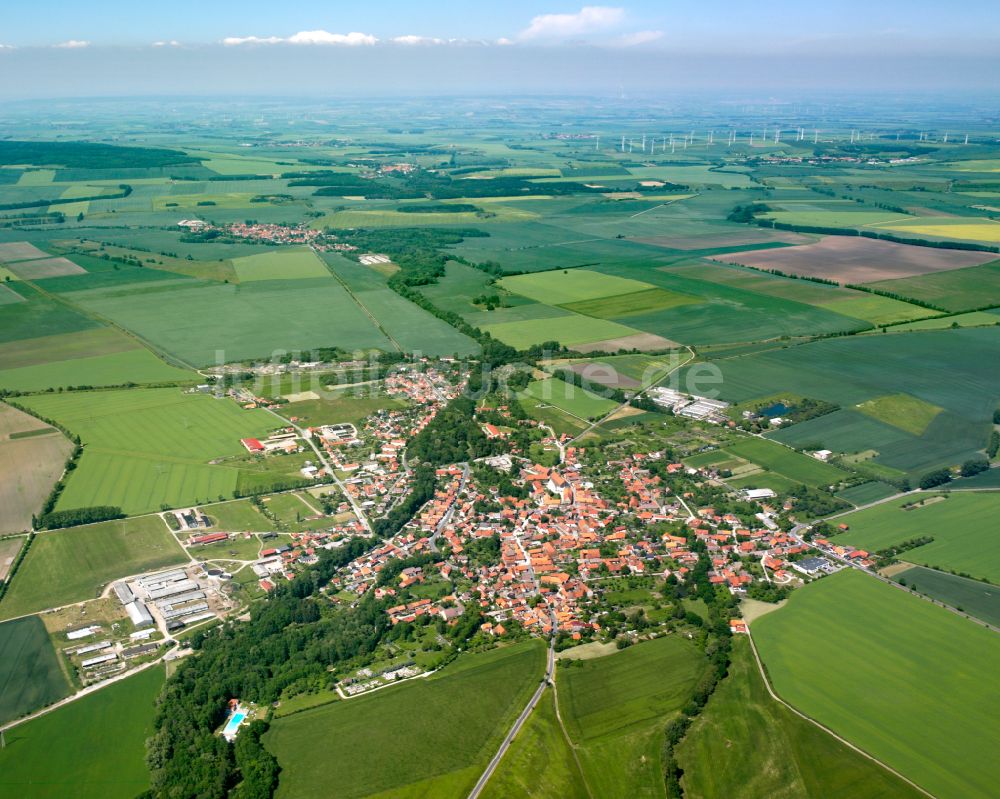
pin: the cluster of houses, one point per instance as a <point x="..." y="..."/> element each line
<point x="271" y="234"/>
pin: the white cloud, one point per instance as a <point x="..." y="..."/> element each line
<point x="233" y="41"/>
<point x="72" y="44"/>
<point x="352" y="39"/>
<point x="416" y="40"/>
<point x="588" y="19"/>
<point x="6" y="47"/>
<point x="171" y="43"/>
<point x="637" y="38"/>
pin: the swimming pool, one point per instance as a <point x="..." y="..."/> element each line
<point x="233" y="724"/>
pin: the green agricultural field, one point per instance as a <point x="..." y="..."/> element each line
<point x="280" y="264"/>
<point x="132" y="366"/>
<point x="973" y="319"/>
<point x="851" y="370"/>
<point x="867" y="492"/>
<point x="568" y="330"/>
<point x="623" y="305"/>
<point x="901" y="410"/>
<point x="93" y="748"/>
<point x="568" y="397"/>
<point x="413" y="328"/>
<point x="962" y="524"/>
<point x="903" y="679"/>
<point x="786" y="462"/>
<point x="84" y="344"/>
<point x="72" y="565"/>
<point x="954" y="289"/>
<point x="540" y="762"/>
<point x="39" y="316"/>
<point x="974" y="597"/>
<point x="566" y="286"/>
<point x="329" y="750"/>
<point x="836" y="218"/>
<point x="144" y="448"/>
<point x="791" y="757"/>
<point x="30" y="674"/>
<point x="615" y="708"/>
<point x="202" y="324"/>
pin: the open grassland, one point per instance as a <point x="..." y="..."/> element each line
<point x="852" y="370"/>
<point x="93" y="748"/>
<point x="903" y="679"/>
<point x="976" y="598"/>
<point x="567" y="286"/>
<point x="794" y="465"/>
<point x="328" y="751"/>
<point x="30" y="675"/>
<point x="283" y="264"/>
<point x="144" y="448"/>
<point x="540" y="763"/>
<point x="138" y="365"/>
<point x="238" y="516"/>
<point x="856" y="259"/>
<point x="963" y="526"/>
<point x="568" y="397"/>
<point x="901" y="410"/>
<point x="746" y="745"/>
<point x="615" y="708"/>
<point x="72" y="565"/>
<point x="954" y="290"/>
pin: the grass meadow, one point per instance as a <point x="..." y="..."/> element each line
<point x="786" y="462"/>
<point x="568" y="397"/>
<point x="93" y="748"/>
<point x="899" y="677"/>
<point x="30" y="674"/>
<point x="72" y="565"/>
<point x="329" y="750"/>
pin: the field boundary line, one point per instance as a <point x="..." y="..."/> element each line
<point x="800" y="714"/>
<point x="638" y="394"/>
<point x="374" y="320"/>
<point x="565" y="732"/>
<point x="163" y="355"/>
<point x="90" y="689"/>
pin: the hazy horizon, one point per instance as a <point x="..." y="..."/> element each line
<point x="112" y="49"/>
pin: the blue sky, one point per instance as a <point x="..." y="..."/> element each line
<point x="122" y="47"/>
<point x="752" y="25"/>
